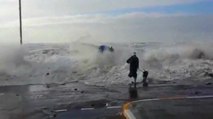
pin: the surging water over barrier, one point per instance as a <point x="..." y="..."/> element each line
<point x="61" y="63"/>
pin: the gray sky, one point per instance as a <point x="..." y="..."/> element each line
<point x="106" y="20"/>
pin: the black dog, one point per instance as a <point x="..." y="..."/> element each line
<point x="145" y="75"/>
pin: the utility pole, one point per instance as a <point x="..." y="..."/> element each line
<point x="20" y="19"/>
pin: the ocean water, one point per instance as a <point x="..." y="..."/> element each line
<point x="81" y="62"/>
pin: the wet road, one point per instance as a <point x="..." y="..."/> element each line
<point x="187" y="107"/>
<point x="101" y="113"/>
<point x="43" y="101"/>
<point x="38" y="101"/>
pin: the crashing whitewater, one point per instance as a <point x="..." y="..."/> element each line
<point x="81" y="62"/>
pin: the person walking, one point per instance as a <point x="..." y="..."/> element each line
<point x="133" y="61"/>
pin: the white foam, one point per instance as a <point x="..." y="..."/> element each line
<point x="61" y="63"/>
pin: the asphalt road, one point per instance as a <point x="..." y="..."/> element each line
<point x="188" y="107"/>
<point x="67" y="100"/>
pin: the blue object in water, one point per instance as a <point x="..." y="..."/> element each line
<point x="102" y="48"/>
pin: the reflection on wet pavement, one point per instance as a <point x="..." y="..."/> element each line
<point x="32" y="101"/>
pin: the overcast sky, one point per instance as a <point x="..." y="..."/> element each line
<point x="107" y="20"/>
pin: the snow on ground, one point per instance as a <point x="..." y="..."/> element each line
<point x="65" y="63"/>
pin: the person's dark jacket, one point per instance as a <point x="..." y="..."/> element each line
<point x="134" y="63"/>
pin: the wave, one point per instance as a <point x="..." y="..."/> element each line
<point x="63" y="63"/>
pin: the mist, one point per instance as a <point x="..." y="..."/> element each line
<point x="82" y="62"/>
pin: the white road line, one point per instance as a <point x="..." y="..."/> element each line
<point x="87" y="109"/>
<point x="61" y="110"/>
<point x="114" y="107"/>
<point x="174" y="97"/>
<point x="199" y="97"/>
<point x="147" y="100"/>
<point x="128" y="113"/>
<point x="111" y="107"/>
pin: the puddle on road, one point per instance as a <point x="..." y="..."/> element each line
<point x="1" y="94"/>
<point x="34" y="88"/>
